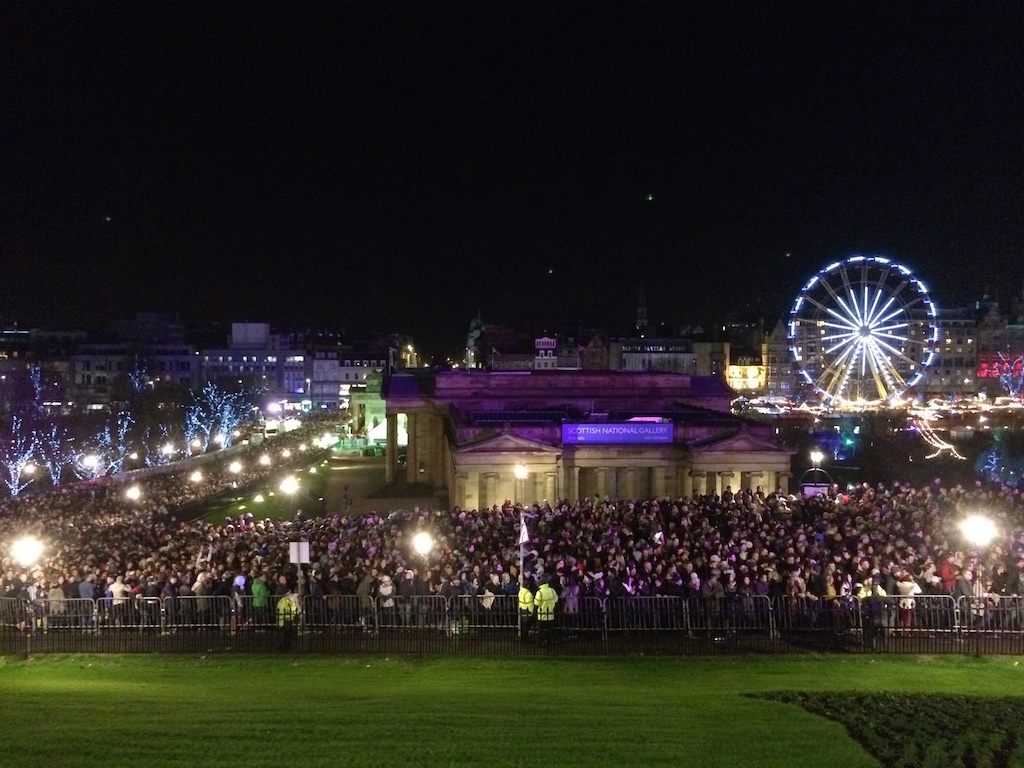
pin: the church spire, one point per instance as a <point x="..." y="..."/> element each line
<point x="641" y="313"/>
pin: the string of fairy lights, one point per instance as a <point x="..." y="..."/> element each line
<point x="935" y="441"/>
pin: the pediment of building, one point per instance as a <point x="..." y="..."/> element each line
<point x="505" y="442"/>
<point x="737" y="442"/>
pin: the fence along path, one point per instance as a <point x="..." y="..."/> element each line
<point x="492" y="625"/>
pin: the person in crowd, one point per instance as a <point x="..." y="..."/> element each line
<point x="120" y="594"/>
<point x="260" y="596"/>
<point x="386" y="601"/>
<point x="489" y="603"/>
<point x="545" y="602"/>
<point x="906" y="588"/>
<point x="366" y="594"/>
<point x="526" y="607"/>
<point x="873" y="610"/>
<point x="406" y="591"/>
<point x="287" y="619"/>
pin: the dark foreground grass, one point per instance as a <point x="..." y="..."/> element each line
<point x="935" y="730"/>
<point x="358" y="711"/>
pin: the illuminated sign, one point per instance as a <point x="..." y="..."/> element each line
<point x="633" y="432"/>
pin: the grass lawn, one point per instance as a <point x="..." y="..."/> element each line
<point x="266" y="500"/>
<point x="374" y="711"/>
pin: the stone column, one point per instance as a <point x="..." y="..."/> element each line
<point x="673" y="482"/>
<point x="460" y="490"/>
<point x="784" y="481"/>
<point x="750" y="480"/>
<point x="724" y="480"/>
<point x="412" y="450"/>
<point x="551" y="486"/>
<point x="490" y="490"/>
<point x="699" y="479"/>
<point x="572" y="482"/>
<point x="391" y="448"/>
<point x="471" y="491"/>
<point x="629" y="485"/>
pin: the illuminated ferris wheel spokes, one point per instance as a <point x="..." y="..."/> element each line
<point x="863" y="328"/>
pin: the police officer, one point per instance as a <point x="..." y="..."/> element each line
<point x="545" y="602"/>
<point x="287" y="617"/>
<point x="525" y="607"/>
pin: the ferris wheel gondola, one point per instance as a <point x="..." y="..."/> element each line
<point x="863" y="329"/>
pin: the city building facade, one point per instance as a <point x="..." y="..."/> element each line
<point x="479" y="438"/>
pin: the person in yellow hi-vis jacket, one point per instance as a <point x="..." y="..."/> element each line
<point x="872" y="611"/>
<point x="525" y="607"/>
<point x="545" y="602"/>
<point x="287" y="619"/>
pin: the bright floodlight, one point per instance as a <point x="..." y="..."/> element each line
<point x="167" y="450"/>
<point x="422" y="542"/>
<point x="286" y="453"/>
<point x="520" y="472"/>
<point x="27" y="550"/>
<point x="264" y="459"/>
<point x="816" y="457"/>
<point x="289" y="485"/>
<point x="978" y="530"/>
<point x="196" y="476"/>
<point x="235" y="467"/>
<point x="133" y="493"/>
<point x="90" y="461"/>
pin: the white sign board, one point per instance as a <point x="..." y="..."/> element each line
<point x="299" y="551"/>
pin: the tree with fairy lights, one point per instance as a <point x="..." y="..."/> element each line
<point x="107" y="450"/>
<point x="158" y="441"/>
<point x="215" y="414"/>
<point x="56" y="449"/>
<point x="1011" y="375"/>
<point x="17" y="447"/>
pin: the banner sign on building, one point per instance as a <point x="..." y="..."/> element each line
<point x="632" y="432"/>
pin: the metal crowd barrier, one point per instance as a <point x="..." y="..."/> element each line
<point x="490" y="624"/>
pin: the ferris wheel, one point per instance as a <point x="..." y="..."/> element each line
<point x="863" y="329"/>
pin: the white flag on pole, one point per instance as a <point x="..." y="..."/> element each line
<point x="524" y="535"/>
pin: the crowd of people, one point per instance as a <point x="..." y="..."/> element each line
<point x="869" y="540"/>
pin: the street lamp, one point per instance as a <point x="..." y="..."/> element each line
<point x="816" y="480"/>
<point x="521" y="475"/>
<point x="133" y="493"/>
<point x="423" y="543"/>
<point x="290" y="486"/>
<point x="978" y="530"/>
<point x="235" y="467"/>
<point x="196" y="476"/>
<point x="27" y="550"/>
<point x="90" y="463"/>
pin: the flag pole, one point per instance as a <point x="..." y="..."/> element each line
<point x="523" y="537"/>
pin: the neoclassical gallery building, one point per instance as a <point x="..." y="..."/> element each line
<point x="481" y="437"/>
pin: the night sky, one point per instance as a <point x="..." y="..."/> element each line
<point x="400" y="166"/>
